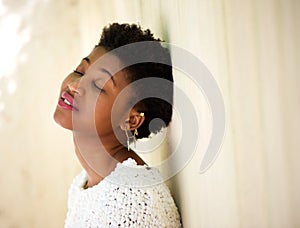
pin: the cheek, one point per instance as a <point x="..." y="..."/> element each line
<point x="104" y="120"/>
<point x="102" y="115"/>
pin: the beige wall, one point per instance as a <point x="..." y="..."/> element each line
<point x="251" y="48"/>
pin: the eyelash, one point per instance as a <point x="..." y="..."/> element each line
<point x="77" y="72"/>
<point x="94" y="84"/>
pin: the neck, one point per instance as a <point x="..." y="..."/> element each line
<point x="98" y="157"/>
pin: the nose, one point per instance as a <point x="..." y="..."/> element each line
<point x="75" y="88"/>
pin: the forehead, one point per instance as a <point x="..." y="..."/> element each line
<point x="99" y="57"/>
<point x="96" y="53"/>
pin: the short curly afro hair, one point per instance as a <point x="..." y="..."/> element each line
<point x="117" y="35"/>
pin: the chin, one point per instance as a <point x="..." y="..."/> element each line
<point x="61" y="121"/>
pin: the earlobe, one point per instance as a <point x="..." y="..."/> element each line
<point x="125" y="126"/>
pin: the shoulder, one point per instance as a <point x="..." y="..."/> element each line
<point x="125" y="155"/>
<point x="130" y="174"/>
<point x="140" y="194"/>
<point x="132" y="194"/>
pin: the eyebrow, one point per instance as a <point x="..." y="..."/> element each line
<point x="102" y="69"/>
<point x="111" y="76"/>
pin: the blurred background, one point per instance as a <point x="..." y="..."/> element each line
<point x="251" y="47"/>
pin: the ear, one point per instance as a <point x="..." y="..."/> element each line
<point x="134" y="121"/>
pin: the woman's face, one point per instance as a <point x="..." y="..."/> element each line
<point x="88" y="94"/>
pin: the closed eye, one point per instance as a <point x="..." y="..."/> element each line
<point x="97" y="87"/>
<point x="77" y="72"/>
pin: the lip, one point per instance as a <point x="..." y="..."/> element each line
<point x="66" y="96"/>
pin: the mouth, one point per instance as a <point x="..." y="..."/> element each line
<point x="67" y="102"/>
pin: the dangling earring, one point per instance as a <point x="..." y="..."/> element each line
<point x="128" y="139"/>
<point x="132" y="137"/>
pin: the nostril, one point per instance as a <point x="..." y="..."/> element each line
<point x="73" y="86"/>
<point x="75" y="90"/>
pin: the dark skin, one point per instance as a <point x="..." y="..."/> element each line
<point x="95" y="87"/>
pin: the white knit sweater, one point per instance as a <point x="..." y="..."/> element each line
<point x="131" y="196"/>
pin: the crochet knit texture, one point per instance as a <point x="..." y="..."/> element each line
<point x="131" y="196"/>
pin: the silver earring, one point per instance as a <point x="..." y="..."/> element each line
<point x="132" y="137"/>
<point x="129" y="139"/>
